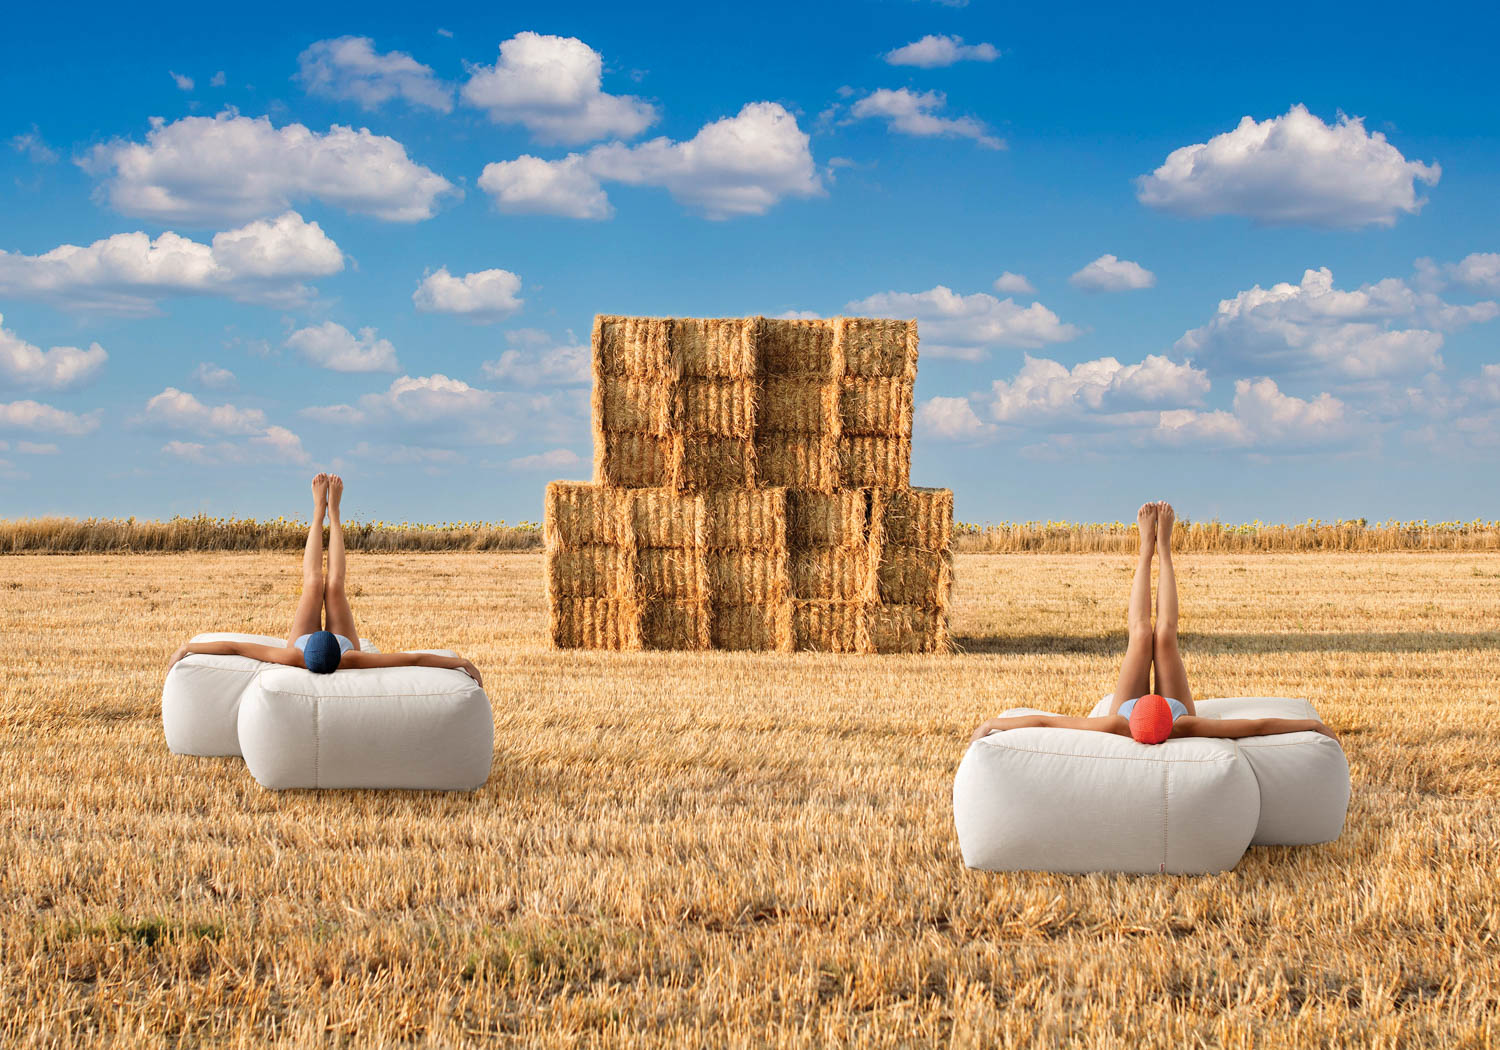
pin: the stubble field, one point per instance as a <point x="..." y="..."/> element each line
<point x="734" y="849"/>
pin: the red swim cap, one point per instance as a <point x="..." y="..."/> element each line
<point x="1151" y="719"/>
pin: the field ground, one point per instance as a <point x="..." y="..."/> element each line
<point x="728" y="849"/>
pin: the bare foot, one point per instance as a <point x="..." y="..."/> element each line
<point x="1165" y="518"/>
<point x="320" y="489"/>
<point x="335" y="493"/>
<point x="1145" y="520"/>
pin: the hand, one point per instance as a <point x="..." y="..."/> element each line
<point x="178" y="655"/>
<point x="985" y="729"/>
<point x="1329" y="733"/>
<point x="473" y="672"/>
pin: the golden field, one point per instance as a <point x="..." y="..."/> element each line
<point x="680" y="849"/>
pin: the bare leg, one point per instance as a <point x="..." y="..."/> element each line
<point x="1135" y="672"/>
<point x="335" y="602"/>
<point x="1171" y="675"/>
<point x="309" y="615"/>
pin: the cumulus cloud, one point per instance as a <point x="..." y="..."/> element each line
<point x="33" y="415"/>
<point x="916" y="113"/>
<point x="202" y="170"/>
<point x="951" y="417"/>
<point x="1486" y="385"/>
<point x="534" y="359"/>
<point x="264" y="261"/>
<point x="740" y="165"/>
<point x="1292" y="169"/>
<point x="1313" y="327"/>
<point x="250" y="436"/>
<point x="1105" y="391"/>
<point x="933" y="51"/>
<point x="1479" y="271"/>
<point x="557" y="459"/>
<point x="1013" y="284"/>
<point x="334" y="347"/>
<point x="966" y="326"/>
<point x="486" y="295"/>
<point x="1262" y="418"/>
<point x="34" y="147"/>
<point x="212" y="376"/>
<point x="61" y="368"/>
<point x="1109" y="274"/>
<point x="349" y="67"/>
<point x="552" y="86"/>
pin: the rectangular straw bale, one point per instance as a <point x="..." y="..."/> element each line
<point x="627" y="459"/>
<point x="580" y="514"/>
<point x="708" y="461"/>
<point x="875" y="406"/>
<point x="921" y="518"/>
<point x="715" y="348"/>
<point x="908" y="629"/>
<point x="797" y="348"/>
<point x="909" y="576"/>
<point x="739" y="577"/>
<point x="833" y="573"/>
<point x="763" y="627"/>
<point x="666" y="518"/>
<point x="675" y="573"/>
<point x="595" y="571"/>
<point x="874" y="462"/>
<point x="725" y="407"/>
<point x="643" y="405"/>
<point x="747" y="519"/>
<point x="799" y="405"/>
<point x="827" y="519"/>
<point x="669" y="624"/>
<point x="875" y="346"/>
<point x="832" y="627"/>
<point x="593" y="623"/>
<point x="632" y="346"/>
<point x="797" y="461"/>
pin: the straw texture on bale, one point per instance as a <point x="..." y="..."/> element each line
<point x="799" y="405"/>
<point x="667" y="624"/>
<point x="797" y="461"/>
<point x="911" y="576"/>
<point x="742" y="577"/>
<point x="593" y="623"/>
<point x="797" y="348"/>
<point x="590" y="572"/>
<point x="908" y="629"/>
<point x="874" y="462"/>
<point x="875" y="407"/>
<point x="872" y="346"/>
<point x="758" y="627"/>
<point x="746" y="519"/>
<point x="830" y="626"/>
<point x="714" y="348"/>
<point x="665" y="518"/>
<point x="920" y="518"/>
<point x="581" y="514"/>
<point x="632" y="403"/>
<point x="707" y="461"/>
<point x="827" y="519"/>
<point x="626" y="459"/>
<point x="675" y="573"/>
<point x="633" y="346"/>
<point x="724" y="407"/>
<point x="842" y="573"/>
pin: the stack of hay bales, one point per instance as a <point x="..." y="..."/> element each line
<point x="751" y="491"/>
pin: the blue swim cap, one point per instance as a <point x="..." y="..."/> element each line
<point x="322" y="654"/>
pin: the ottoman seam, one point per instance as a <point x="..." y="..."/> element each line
<point x="383" y="696"/>
<point x="317" y="745"/>
<point x="1109" y="758"/>
<point x="1166" y="795"/>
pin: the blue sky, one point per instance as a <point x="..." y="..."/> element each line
<point x="360" y="240"/>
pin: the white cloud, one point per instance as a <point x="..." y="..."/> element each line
<point x="486" y="295"/>
<point x="951" y="417"/>
<point x="207" y="169"/>
<point x="933" y="51"/>
<point x="1263" y="418"/>
<point x="264" y="261"/>
<point x="334" y="347"/>
<point x="740" y="165"/>
<point x="1013" y="284"/>
<point x="212" y="376"/>
<point x="552" y="86"/>
<point x="1105" y="391"/>
<point x="535" y="360"/>
<point x="1109" y="274"/>
<point x="35" y="448"/>
<point x="444" y="411"/>
<point x="250" y="436"/>
<point x="34" y="146"/>
<point x="1478" y="270"/>
<point x="218" y="79"/>
<point x="966" y="326"/>
<point x="62" y="367"/>
<point x="1291" y="169"/>
<point x="915" y="113"/>
<point x="348" y="67"/>
<point x="1485" y="386"/>
<point x="33" y="415"/>
<point x="184" y="83"/>
<point x="1313" y="327"/>
<point x="557" y="459"/>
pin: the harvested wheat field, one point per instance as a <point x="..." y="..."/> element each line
<point x="737" y="849"/>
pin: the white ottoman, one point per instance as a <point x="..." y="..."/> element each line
<point x="386" y="727"/>
<point x="200" y="702"/>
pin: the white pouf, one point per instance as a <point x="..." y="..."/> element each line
<point x="386" y="727"/>
<point x="200" y="702"/>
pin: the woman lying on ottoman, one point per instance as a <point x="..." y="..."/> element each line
<point x="310" y="645"/>
<point x="1134" y="711"/>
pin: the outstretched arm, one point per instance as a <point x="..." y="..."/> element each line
<point x="271" y="654"/>
<point x="359" y="658"/>
<point x="1105" y="724"/>
<point x="1235" y="728"/>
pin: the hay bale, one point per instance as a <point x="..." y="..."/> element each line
<point x="595" y="571"/>
<point x="725" y="407"/>
<point x="762" y="627"/>
<point x="799" y="405"/>
<point x="920" y="518"/>
<point x="593" y="623"/>
<point x="827" y="519"/>
<point x="797" y="461"/>
<point x="747" y="519"/>
<point x="707" y="461"/>
<point x="627" y="459"/>
<point x="912" y="576"/>
<point x="908" y="629"/>
<point x="875" y="406"/>
<point x="669" y="624"/>
<point x="830" y="626"/>
<point x="797" y="348"/>
<point x="875" y="346"/>
<point x="662" y="517"/>
<point x="581" y="514"/>
<point x="874" y="462"/>
<point x="632" y="403"/>
<point x="833" y="573"/>
<point x="632" y="346"/>
<point x="714" y="348"/>
<point x="673" y="573"/>
<point x="741" y="577"/>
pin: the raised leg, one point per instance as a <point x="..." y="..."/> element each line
<point x="309" y="615"/>
<point x="335" y="601"/>
<point x="1171" y="675"/>
<point x="1135" y="672"/>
